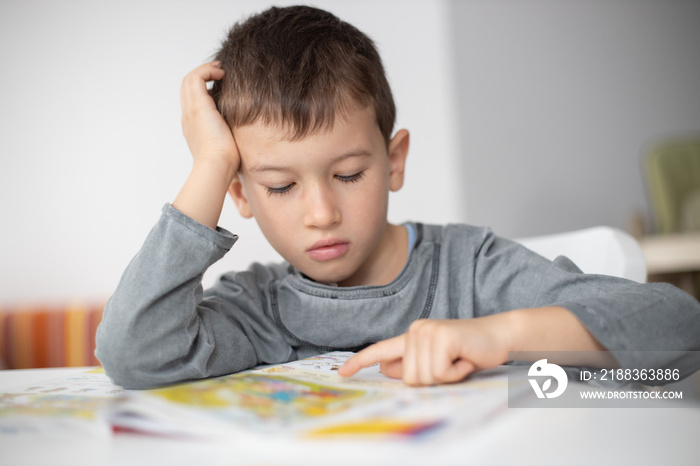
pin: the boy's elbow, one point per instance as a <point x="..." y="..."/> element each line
<point x="128" y="380"/>
<point x="139" y="366"/>
<point x="122" y="370"/>
<point x="125" y="365"/>
<point x="130" y="376"/>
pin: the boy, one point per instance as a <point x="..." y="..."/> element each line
<point x="298" y="131"/>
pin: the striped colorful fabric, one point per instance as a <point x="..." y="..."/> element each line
<point x="49" y="336"/>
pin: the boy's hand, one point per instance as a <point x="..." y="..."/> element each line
<point x="444" y="351"/>
<point x="207" y="133"/>
<point x="437" y="351"/>
<point x="215" y="154"/>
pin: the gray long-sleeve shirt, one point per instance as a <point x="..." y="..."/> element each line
<point x="160" y="327"/>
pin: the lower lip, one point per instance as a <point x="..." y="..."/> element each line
<point x="327" y="253"/>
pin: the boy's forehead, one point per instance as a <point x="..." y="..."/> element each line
<point x="357" y="125"/>
<point x="280" y="132"/>
<point x="280" y="128"/>
<point x="271" y="166"/>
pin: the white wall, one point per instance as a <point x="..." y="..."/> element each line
<point x="558" y="100"/>
<point x="526" y="115"/>
<point x="90" y="140"/>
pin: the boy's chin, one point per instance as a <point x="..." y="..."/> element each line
<point x="324" y="280"/>
<point x="327" y="278"/>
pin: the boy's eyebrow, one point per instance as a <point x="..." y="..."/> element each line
<point x="263" y="167"/>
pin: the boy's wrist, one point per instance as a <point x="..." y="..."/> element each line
<point x="526" y="329"/>
<point x="515" y="322"/>
<point x="215" y="169"/>
<point x="554" y="329"/>
<point x="202" y="196"/>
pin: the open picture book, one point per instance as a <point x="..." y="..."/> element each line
<point x="300" y="399"/>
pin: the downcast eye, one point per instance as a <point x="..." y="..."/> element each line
<point x="351" y="178"/>
<point x="279" y="191"/>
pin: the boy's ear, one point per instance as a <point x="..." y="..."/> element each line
<point x="398" y="151"/>
<point x="237" y="193"/>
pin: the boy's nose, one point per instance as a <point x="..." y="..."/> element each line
<point x="321" y="208"/>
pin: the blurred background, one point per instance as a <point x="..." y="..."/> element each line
<point x="529" y="116"/>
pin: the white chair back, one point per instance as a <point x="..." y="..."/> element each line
<point x="599" y="250"/>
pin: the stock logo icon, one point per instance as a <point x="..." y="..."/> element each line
<point x="542" y="370"/>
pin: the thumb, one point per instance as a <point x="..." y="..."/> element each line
<point x="458" y="370"/>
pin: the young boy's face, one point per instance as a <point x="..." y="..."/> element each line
<point x="321" y="201"/>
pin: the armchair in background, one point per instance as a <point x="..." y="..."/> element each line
<point x="672" y="249"/>
<point x="672" y="172"/>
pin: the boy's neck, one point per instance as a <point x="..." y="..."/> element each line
<point x="386" y="262"/>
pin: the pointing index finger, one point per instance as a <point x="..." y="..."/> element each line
<point x="385" y="350"/>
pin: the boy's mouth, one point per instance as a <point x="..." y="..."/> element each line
<point x="328" y="249"/>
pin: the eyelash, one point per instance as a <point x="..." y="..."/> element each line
<point x="351" y="178"/>
<point x="279" y="191"/>
<point x="285" y="189"/>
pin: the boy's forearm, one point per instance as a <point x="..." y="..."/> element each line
<point x="202" y="196"/>
<point x="555" y="329"/>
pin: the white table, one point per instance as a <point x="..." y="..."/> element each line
<point x="671" y="253"/>
<point x="674" y="258"/>
<point x="517" y="436"/>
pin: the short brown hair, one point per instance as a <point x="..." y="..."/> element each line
<point x="300" y="67"/>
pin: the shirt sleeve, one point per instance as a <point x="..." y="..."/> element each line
<point x="643" y="325"/>
<point x="158" y="328"/>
